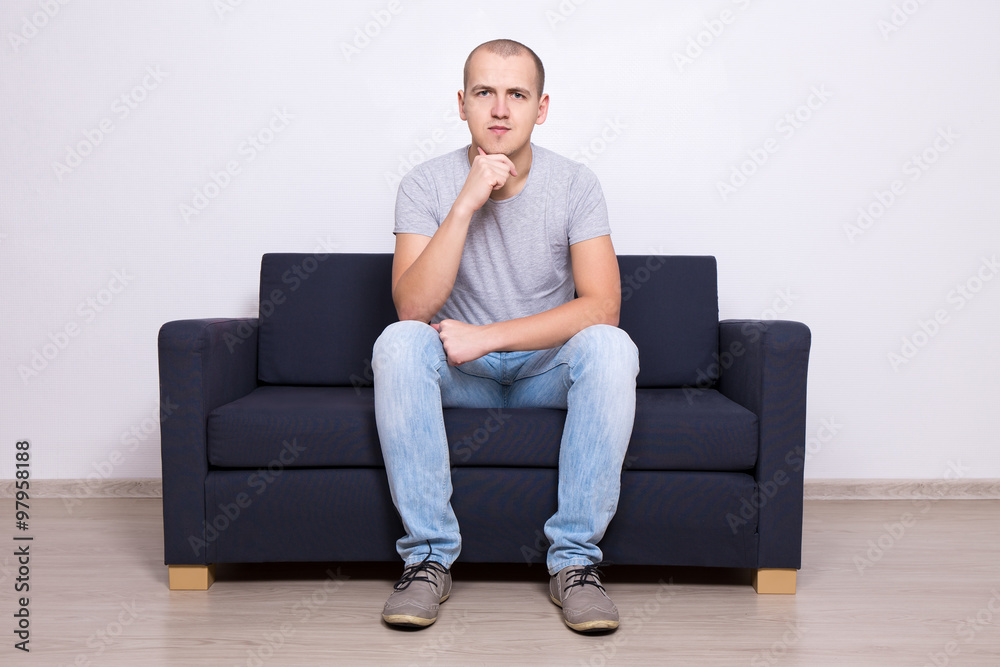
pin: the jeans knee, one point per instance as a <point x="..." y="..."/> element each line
<point x="610" y="346"/>
<point x="405" y="340"/>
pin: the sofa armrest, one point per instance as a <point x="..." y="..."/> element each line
<point x="203" y="364"/>
<point x="763" y="368"/>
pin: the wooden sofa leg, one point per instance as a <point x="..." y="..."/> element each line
<point x="771" y="580"/>
<point x="191" y="577"/>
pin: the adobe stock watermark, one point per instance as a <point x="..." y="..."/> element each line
<point x="471" y="444"/>
<point x="967" y="631"/>
<point x="130" y="440"/>
<point x="632" y="623"/>
<point x="786" y="127"/>
<point x="894" y="532"/>
<point x="303" y="610"/>
<point x="423" y="148"/>
<point x="249" y="149"/>
<point x="958" y="298"/>
<point x="752" y="331"/>
<point x="87" y="311"/>
<point x="537" y="551"/>
<point x="260" y="480"/>
<point x="363" y="35"/>
<point x="914" y="168"/>
<point x="703" y="39"/>
<point x="294" y="276"/>
<point x="796" y="458"/>
<point x="777" y="650"/>
<point x="608" y="135"/>
<point x="640" y="275"/>
<point x="121" y="108"/>
<point x="900" y="16"/>
<point x="562" y="12"/>
<point x="224" y="7"/>
<point x="106" y="637"/>
<point x="441" y="643"/>
<point x="32" y="25"/>
<point x="385" y="351"/>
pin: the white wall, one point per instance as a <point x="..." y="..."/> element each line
<point x="664" y="134"/>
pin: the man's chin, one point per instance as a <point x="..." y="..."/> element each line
<point x="494" y="147"/>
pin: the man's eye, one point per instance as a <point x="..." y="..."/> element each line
<point x="481" y="93"/>
<point x="518" y="95"/>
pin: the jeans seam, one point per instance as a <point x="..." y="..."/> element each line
<point x="445" y="479"/>
<point x="547" y="370"/>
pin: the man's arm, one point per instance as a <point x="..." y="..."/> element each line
<point x="598" y="288"/>
<point x="424" y="268"/>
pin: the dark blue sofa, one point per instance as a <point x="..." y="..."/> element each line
<point x="273" y="454"/>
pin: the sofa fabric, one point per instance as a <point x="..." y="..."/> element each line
<point x="320" y="313"/>
<point x="335" y="426"/>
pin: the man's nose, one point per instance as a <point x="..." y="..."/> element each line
<point x="500" y="109"/>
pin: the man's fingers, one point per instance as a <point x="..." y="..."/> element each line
<point x="502" y="158"/>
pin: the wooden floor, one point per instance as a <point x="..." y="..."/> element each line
<point x="883" y="583"/>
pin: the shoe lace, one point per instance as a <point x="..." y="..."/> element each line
<point x="413" y="572"/>
<point x="588" y="575"/>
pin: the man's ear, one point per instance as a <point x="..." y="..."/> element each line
<point x="543" y="109"/>
<point x="461" y="105"/>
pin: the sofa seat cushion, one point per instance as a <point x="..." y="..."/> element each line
<point x="300" y="427"/>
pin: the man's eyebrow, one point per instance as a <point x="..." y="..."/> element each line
<point x="515" y="89"/>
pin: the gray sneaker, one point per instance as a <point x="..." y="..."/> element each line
<point x="585" y="604"/>
<point x="418" y="594"/>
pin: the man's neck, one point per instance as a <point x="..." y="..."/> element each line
<point x="522" y="163"/>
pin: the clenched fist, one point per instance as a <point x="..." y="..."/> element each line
<point x="462" y="341"/>
<point x="486" y="174"/>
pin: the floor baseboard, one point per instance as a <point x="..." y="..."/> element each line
<point x="81" y="489"/>
<point x="902" y="489"/>
<point x="815" y="489"/>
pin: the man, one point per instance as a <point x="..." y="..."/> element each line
<point x="491" y="242"/>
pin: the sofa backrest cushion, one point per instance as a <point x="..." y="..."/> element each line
<point x="320" y="316"/>
<point x="670" y="309"/>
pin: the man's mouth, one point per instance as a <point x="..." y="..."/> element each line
<point x="499" y="129"/>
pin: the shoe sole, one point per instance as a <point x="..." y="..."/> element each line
<point x="411" y="621"/>
<point x="589" y="626"/>
<point x="408" y="621"/>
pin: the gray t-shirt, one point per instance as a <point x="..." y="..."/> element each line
<point x="516" y="259"/>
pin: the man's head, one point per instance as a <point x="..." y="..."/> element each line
<point x="507" y="48"/>
<point x="503" y="99"/>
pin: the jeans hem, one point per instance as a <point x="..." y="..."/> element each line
<point x="416" y="560"/>
<point x="569" y="562"/>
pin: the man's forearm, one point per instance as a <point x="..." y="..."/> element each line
<point x="426" y="285"/>
<point x="554" y="327"/>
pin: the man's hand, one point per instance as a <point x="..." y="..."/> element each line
<point x="486" y="174"/>
<point x="462" y="342"/>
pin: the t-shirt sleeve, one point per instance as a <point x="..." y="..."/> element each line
<point x="416" y="204"/>
<point x="588" y="212"/>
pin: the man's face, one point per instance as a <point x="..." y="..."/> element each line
<point x="501" y="102"/>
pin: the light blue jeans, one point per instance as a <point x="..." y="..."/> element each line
<point x="591" y="376"/>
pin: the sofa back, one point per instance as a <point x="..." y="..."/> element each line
<point x="321" y="313"/>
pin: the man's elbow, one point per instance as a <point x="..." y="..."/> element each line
<point x="606" y="310"/>
<point x="404" y="311"/>
<point x="409" y="313"/>
<point x="407" y="310"/>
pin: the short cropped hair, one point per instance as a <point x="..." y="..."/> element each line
<point x="506" y="48"/>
